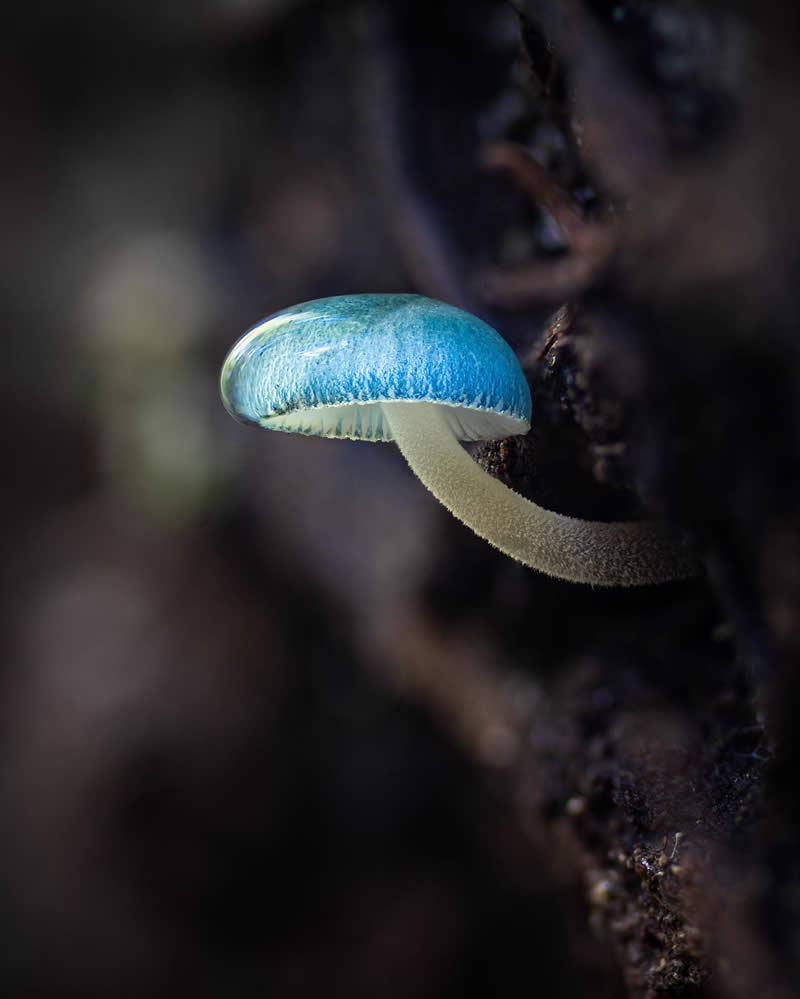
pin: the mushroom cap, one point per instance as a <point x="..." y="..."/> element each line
<point x="331" y="366"/>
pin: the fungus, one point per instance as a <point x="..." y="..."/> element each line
<point x="427" y="376"/>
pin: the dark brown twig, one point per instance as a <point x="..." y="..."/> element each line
<point x="553" y="282"/>
<point x="532" y="178"/>
<point x="538" y="283"/>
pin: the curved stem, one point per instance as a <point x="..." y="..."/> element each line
<point x="583" y="551"/>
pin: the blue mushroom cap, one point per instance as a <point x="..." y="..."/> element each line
<point x="328" y="366"/>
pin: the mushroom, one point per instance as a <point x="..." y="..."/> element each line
<point x="427" y="375"/>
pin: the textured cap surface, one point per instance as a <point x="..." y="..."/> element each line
<point x="327" y="366"/>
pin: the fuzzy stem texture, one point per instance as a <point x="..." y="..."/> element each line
<point x="582" y="551"/>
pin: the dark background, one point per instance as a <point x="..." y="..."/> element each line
<point x="272" y="723"/>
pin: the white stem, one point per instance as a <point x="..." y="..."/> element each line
<point x="583" y="551"/>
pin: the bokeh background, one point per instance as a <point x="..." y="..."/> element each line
<point x="272" y="722"/>
<point x="209" y="784"/>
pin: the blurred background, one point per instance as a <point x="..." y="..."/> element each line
<point x="209" y="781"/>
<point x="272" y="722"/>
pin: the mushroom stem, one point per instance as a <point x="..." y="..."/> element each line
<point x="583" y="551"/>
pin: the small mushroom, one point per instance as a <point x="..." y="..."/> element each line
<point x="428" y="375"/>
